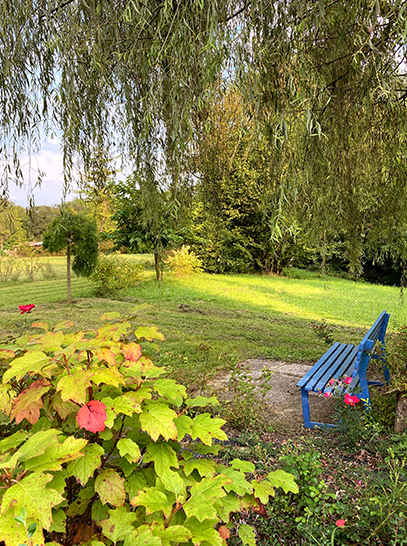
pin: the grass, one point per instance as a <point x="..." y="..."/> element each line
<point x="209" y="320"/>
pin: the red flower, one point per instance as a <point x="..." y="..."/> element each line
<point x="347" y="380"/>
<point x="26" y="308"/>
<point x="351" y="400"/>
<point x="340" y="523"/>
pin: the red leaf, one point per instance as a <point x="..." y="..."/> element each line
<point x="132" y="352"/>
<point x="224" y="533"/>
<point x="28" y="403"/>
<point x="92" y="416"/>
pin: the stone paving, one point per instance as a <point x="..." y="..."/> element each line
<point x="284" y="408"/>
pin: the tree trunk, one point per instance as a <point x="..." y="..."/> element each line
<point x="157" y="264"/>
<point x="68" y="268"/>
<point x="400" y="422"/>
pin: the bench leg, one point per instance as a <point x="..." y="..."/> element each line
<point x="305" y="408"/>
<point x="306" y="414"/>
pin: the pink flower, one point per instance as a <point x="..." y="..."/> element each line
<point x="340" y="523"/>
<point x="359" y="482"/>
<point x="327" y="394"/>
<point x="331" y="382"/>
<point x="347" y="380"/>
<point x="26" y="308"/>
<point x="351" y="400"/>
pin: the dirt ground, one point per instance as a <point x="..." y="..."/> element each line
<point x="284" y="408"/>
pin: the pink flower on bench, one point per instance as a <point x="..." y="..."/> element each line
<point x="26" y="308"/>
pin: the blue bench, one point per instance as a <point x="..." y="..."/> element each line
<point x="346" y="360"/>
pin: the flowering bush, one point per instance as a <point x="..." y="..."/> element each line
<point x="91" y="446"/>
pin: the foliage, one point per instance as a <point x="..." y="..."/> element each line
<point x="396" y="356"/>
<point x="324" y="331"/>
<point x="146" y="217"/>
<point x="91" y="445"/>
<point x="114" y="273"/>
<point x="183" y="262"/>
<point x="77" y="232"/>
<point x="247" y="409"/>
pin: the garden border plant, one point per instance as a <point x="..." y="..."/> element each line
<point x="91" y="450"/>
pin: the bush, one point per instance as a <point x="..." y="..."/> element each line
<point x="91" y="447"/>
<point x="114" y="273"/>
<point x="183" y="262"/>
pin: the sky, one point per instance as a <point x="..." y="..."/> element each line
<point x="49" y="161"/>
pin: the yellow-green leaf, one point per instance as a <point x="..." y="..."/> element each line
<point x="110" y="487"/>
<point x="282" y="479"/>
<point x="83" y="468"/>
<point x="207" y="427"/>
<point x="157" y="418"/>
<point x="30" y="363"/>
<point x="74" y="386"/>
<point x="119" y="525"/>
<point x="129" y="449"/>
<point x="163" y="457"/>
<point x="32" y="494"/>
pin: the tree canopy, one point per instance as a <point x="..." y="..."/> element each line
<point x="324" y="80"/>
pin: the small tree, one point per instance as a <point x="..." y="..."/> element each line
<point x="77" y="234"/>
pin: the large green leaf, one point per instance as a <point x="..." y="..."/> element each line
<point x="109" y="376"/>
<point x="204" y="531"/>
<point x="14" y="534"/>
<point x="173" y="482"/>
<point x="206" y="428"/>
<point x="226" y="505"/>
<point x="153" y="500"/>
<point x="205" y="467"/>
<point x="282" y="479"/>
<point x="129" y="449"/>
<point x="30" y="363"/>
<point x="110" y="487"/>
<point x="149" y="333"/>
<point x="173" y="534"/>
<point x="74" y="386"/>
<point x="157" y="418"/>
<point x="83" y="469"/>
<point x="247" y="535"/>
<point x="203" y="496"/>
<point x="163" y="457"/>
<point x="238" y="484"/>
<point x="171" y="390"/>
<point x="13" y="441"/>
<point x="262" y="490"/>
<point x="32" y="494"/>
<point x="184" y="426"/>
<point x="142" y="536"/>
<point x="119" y="525"/>
<point x="56" y="455"/>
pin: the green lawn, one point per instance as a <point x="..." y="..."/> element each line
<point x="210" y="319"/>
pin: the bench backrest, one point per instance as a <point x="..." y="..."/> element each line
<point x="376" y="333"/>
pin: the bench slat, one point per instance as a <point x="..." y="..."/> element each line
<point x="344" y="367"/>
<point x="330" y="367"/>
<point x="311" y="372"/>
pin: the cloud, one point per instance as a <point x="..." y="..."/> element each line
<point x="48" y="161"/>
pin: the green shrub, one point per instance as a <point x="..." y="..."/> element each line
<point x="183" y="262"/>
<point x="114" y="273"/>
<point x="91" y="447"/>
